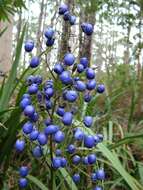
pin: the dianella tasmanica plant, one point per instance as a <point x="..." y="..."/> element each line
<point x="52" y="131"/>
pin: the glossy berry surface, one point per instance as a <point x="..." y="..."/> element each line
<point x="84" y="62"/>
<point x="100" y="88"/>
<point x="76" y="159"/>
<point x="42" y="139"/>
<point x="69" y="59"/>
<point x="58" y="68"/>
<point x="56" y="162"/>
<point x="59" y="137"/>
<point x="91" y="158"/>
<point x="72" y="19"/>
<point x="71" y="95"/>
<point x="97" y="188"/>
<point x="88" y="120"/>
<point x="35" y="61"/>
<point x="76" y="178"/>
<point x="20" y="145"/>
<point x="90" y="74"/>
<point x="23" y="182"/>
<point x="100" y="174"/>
<point x="34" y="134"/>
<point x="29" y="110"/>
<point x="29" y="45"/>
<point x="65" y="77"/>
<point x="80" y="86"/>
<point x="37" y="152"/>
<point x="33" y="89"/>
<point x="27" y="127"/>
<point x="63" y="8"/>
<point x="49" y="33"/>
<point x="71" y="149"/>
<point x="23" y="171"/>
<point x="67" y="118"/>
<point x="89" y="141"/>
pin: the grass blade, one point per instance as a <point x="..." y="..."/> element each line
<point x="37" y="182"/>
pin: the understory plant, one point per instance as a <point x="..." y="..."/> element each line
<point x="55" y="134"/>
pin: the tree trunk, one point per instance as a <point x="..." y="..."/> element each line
<point x="38" y="45"/>
<point x="6" y="46"/>
<point x="66" y="31"/>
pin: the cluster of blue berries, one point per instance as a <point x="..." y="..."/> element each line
<point x="60" y="107"/>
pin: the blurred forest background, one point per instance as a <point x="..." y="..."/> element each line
<point x="115" y="51"/>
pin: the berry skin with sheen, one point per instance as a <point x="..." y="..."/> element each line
<point x="71" y="96"/>
<point x="76" y="159"/>
<point x="71" y="149"/>
<point x="33" y="89"/>
<point x="84" y="62"/>
<point x="69" y="59"/>
<point x="59" y="137"/>
<point x="35" y="61"/>
<point x="90" y="74"/>
<point x="88" y="120"/>
<point x="93" y="177"/>
<point x="87" y="97"/>
<point x="100" y="174"/>
<point x="72" y="20"/>
<point x="56" y="162"/>
<point x="29" y="110"/>
<point x="20" y="145"/>
<point x="63" y="8"/>
<point x="51" y="129"/>
<point x="76" y="178"/>
<point x="25" y="102"/>
<point x="27" y="128"/>
<point x="67" y="118"/>
<point x="80" y="86"/>
<point x="60" y="111"/>
<point x="97" y="188"/>
<point x="50" y="42"/>
<point x="80" y="68"/>
<point x="23" y="171"/>
<point x="58" y="68"/>
<point x="67" y="16"/>
<point x="100" y="88"/>
<point x="91" y="158"/>
<point x="49" y="33"/>
<point x="33" y="135"/>
<point x="23" y="182"/>
<point x="89" y="141"/>
<point x="87" y="28"/>
<point x="42" y="139"/>
<point x="37" y="152"/>
<point x="65" y="77"/>
<point x="91" y="84"/>
<point x="29" y="45"/>
<point x="79" y="135"/>
<point x="63" y="162"/>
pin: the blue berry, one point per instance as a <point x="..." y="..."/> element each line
<point x="87" y="28"/>
<point x="71" y="149"/>
<point x="37" y="152"/>
<point x="76" y="159"/>
<point x="34" y="117"/>
<point x="29" y="45"/>
<point x="26" y="96"/>
<point x="59" y="136"/>
<point x="34" y="134"/>
<point x="23" y="182"/>
<point x="51" y="129"/>
<point x="30" y="80"/>
<point x="25" y="102"/>
<point x="100" y="136"/>
<point x="79" y="135"/>
<point x="27" y="127"/>
<point x="71" y="95"/>
<point x="35" y="61"/>
<point x="33" y="89"/>
<point x="20" y="145"/>
<point x="80" y="68"/>
<point x="88" y="120"/>
<point x="69" y="59"/>
<point x="67" y="118"/>
<point x="100" y="174"/>
<point x="90" y="74"/>
<point x="91" y="84"/>
<point x="23" y="171"/>
<point x="49" y="104"/>
<point x="65" y="77"/>
<point x="56" y="162"/>
<point x="87" y="97"/>
<point x="38" y="79"/>
<point x="49" y="33"/>
<point x="50" y="42"/>
<point x="72" y="19"/>
<point x="58" y="68"/>
<point x="91" y="158"/>
<point x="48" y="122"/>
<point x="89" y="141"/>
<point x="29" y="110"/>
<point x="85" y="160"/>
<point x="76" y="178"/>
<point x="80" y="86"/>
<point x="60" y="111"/>
<point x="67" y="16"/>
<point x="63" y="162"/>
<point x="58" y="152"/>
<point x="100" y="88"/>
<point x="39" y="96"/>
<point x="96" y="138"/>
<point x="93" y="177"/>
<point x="97" y="188"/>
<point x="62" y="9"/>
<point x="49" y="92"/>
<point x="42" y="139"/>
<point x="84" y="62"/>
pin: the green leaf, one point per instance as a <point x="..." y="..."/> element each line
<point x="37" y="182"/>
<point x="68" y="179"/>
<point x="7" y="91"/>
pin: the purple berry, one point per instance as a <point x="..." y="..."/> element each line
<point x="88" y="120"/>
<point x="42" y="139"/>
<point x="67" y="118"/>
<point x="66" y="16"/>
<point x="51" y="129"/>
<point x="72" y="19"/>
<point x="79" y="135"/>
<point x="20" y="145"/>
<point x="76" y="178"/>
<point x="80" y="68"/>
<point x="100" y="174"/>
<point x="69" y="59"/>
<point x="23" y="171"/>
<point x="93" y="177"/>
<point x="89" y="141"/>
<point x="58" y="68"/>
<point x="59" y="137"/>
<point x="29" y="110"/>
<point x="97" y="188"/>
<point x="35" y="61"/>
<point x="63" y="162"/>
<point x="91" y="158"/>
<point x="27" y="127"/>
<point x="76" y="159"/>
<point x="71" y="95"/>
<point x="87" y="97"/>
<point x="71" y="149"/>
<point x="87" y="28"/>
<point x="84" y="62"/>
<point x="25" y="102"/>
<point x="63" y="8"/>
<point x="23" y="182"/>
<point x="90" y="74"/>
<point x="60" y="111"/>
<point x="91" y="84"/>
<point x="29" y="45"/>
<point x="80" y="86"/>
<point x="50" y="42"/>
<point x="65" y="77"/>
<point x="49" y="33"/>
<point x="58" y="152"/>
<point x="100" y="88"/>
<point x="33" y="89"/>
<point x="56" y="162"/>
<point x="37" y="152"/>
<point x="33" y="135"/>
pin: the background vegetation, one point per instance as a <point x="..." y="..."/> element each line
<point x="115" y="51"/>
